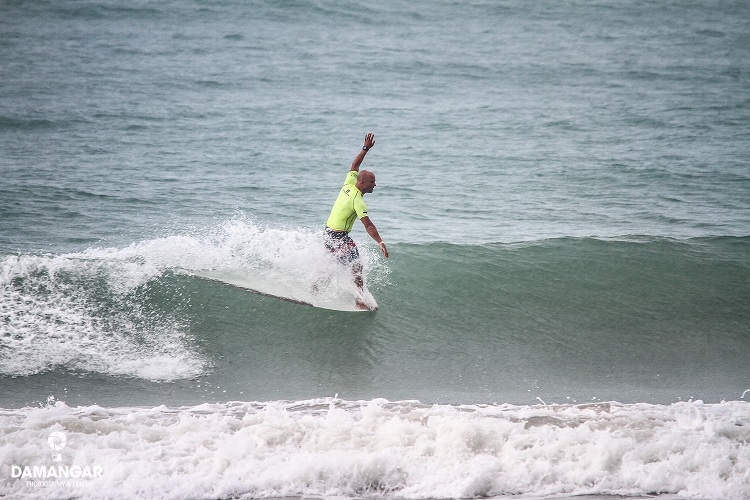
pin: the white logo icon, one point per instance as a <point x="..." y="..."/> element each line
<point x="57" y="442"/>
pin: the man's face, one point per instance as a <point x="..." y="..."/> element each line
<point x="367" y="182"/>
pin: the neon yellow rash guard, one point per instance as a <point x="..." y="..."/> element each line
<point x="347" y="206"/>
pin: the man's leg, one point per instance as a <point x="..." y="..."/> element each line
<point x="360" y="282"/>
<point x="346" y="251"/>
<point x="357" y="271"/>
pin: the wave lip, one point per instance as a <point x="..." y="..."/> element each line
<point x="330" y="447"/>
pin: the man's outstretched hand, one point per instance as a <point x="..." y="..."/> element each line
<point x="369" y="140"/>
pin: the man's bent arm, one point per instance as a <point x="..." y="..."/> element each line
<point x="373" y="232"/>
<point x="369" y="142"/>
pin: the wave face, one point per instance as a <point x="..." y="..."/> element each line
<point x="631" y="313"/>
<point x="361" y="449"/>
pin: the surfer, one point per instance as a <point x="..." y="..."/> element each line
<point x="348" y="206"/>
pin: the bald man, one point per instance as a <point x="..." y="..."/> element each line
<point x="348" y="206"/>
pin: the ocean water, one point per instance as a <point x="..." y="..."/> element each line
<point x="564" y="188"/>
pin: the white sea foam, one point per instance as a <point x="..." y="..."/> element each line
<point x="53" y="319"/>
<point x="330" y="447"/>
<point x="289" y="262"/>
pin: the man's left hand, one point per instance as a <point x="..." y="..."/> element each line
<point x="383" y="249"/>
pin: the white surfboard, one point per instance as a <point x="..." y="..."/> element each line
<point x="325" y="292"/>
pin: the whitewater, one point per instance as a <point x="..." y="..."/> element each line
<point x="331" y="448"/>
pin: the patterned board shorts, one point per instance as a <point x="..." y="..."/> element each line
<point x="339" y="243"/>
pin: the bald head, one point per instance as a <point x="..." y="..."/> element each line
<point x="365" y="181"/>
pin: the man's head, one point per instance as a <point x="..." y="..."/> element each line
<point x="365" y="181"/>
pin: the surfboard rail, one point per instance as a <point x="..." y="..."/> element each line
<point x="318" y="294"/>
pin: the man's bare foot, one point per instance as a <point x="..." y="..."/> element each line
<point x="361" y="304"/>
